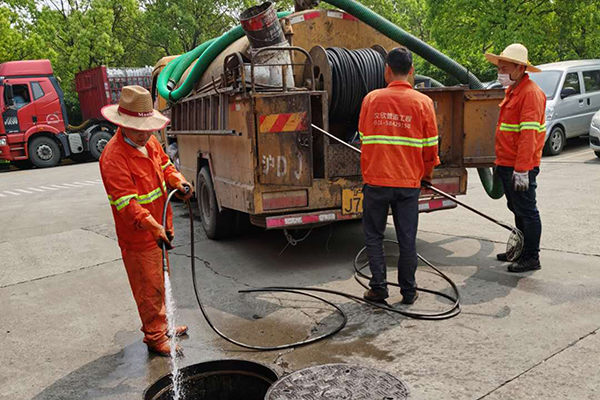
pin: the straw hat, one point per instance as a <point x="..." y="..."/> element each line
<point x="135" y="111"/>
<point x="515" y="53"/>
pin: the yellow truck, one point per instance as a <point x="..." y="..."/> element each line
<point x="249" y="147"/>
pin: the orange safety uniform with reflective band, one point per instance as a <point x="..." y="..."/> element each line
<point x="521" y="130"/>
<point x="137" y="187"/>
<point x="399" y="137"/>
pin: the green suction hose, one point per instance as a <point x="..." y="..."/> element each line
<point x="207" y="52"/>
<point x="414" y="44"/>
<point x="185" y="61"/>
<point x="491" y="183"/>
<point x="434" y="83"/>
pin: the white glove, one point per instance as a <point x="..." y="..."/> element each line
<point x="520" y="181"/>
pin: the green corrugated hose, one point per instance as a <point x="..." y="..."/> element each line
<point x="208" y="51"/>
<point x="434" y="83"/>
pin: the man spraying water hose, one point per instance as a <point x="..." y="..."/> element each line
<point x="399" y="139"/>
<point x="520" y="138"/>
<point x="136" y="172"/>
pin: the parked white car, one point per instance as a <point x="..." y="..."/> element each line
<point x="595" y="134"/>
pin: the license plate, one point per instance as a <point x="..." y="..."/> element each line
<point x="352" y="201"/>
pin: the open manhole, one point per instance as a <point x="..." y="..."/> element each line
<point x="217" y="380"/>
<point x="339" y="382"/>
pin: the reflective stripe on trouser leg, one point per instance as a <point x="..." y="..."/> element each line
<point x="146" y="278"/>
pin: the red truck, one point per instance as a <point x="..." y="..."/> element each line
<point x="34" y="130"/>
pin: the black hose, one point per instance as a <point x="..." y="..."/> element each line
<point x="288" y="290"/>
<point x="452" y="312"/>
<point x="354" y="73"/>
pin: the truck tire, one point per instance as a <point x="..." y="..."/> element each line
<point x="241" y="223"/>
<point x="597" y="154"/>
<point x="98" y="141"/>
<point x="556" y="142"/>
<point x="217" y="224"/>
<point x="44" y="152"/>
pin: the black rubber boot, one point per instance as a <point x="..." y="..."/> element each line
<point x="525" y="265"/>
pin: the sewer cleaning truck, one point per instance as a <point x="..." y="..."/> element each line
<point x="247" y="109"/>
<point x="35" y="131"/>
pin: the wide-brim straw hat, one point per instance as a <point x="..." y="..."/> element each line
<point x="515" y="53"/>
<point x="135" y="111"/>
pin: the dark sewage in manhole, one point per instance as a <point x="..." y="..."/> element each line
<point x="217" y="380"/>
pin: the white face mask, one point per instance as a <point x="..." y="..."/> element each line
<point x="505" y="80"/>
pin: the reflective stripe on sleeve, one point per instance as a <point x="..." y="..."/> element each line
<point x="523" y="126"/>
<point x="166" y="165"/>
<point x="121" y="202"/>
<point x="148" y="198"/>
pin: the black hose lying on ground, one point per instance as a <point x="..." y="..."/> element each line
<point x="452" y="312"/>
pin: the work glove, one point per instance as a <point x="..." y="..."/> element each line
<point x="159" y="233"/>
<point x="520" y="181"/>
<point x="184" y="191"/>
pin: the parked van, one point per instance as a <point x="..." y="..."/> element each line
<point x="573" y="92"/>
<point x="595" y="134"/>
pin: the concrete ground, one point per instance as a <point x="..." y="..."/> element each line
<point x="70" y="330"/>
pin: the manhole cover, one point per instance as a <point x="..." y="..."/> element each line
<point x="339" y="382"/>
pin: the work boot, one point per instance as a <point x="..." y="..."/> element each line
<point x="524" y="265"/>
<point x="179" y="331"/>
<point x="410" y="299"/>
<point x="502" y="257"/>
<point x="164" y="349"/>
<point x="376" y="296"/>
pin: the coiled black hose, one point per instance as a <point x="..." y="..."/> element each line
<point x="354" y="74"/>
<point x="453" y="311"/>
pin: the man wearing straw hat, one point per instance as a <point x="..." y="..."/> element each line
<point x="136" y="171"/>
<point x="520" y="135"/>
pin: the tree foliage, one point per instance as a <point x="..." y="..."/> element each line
<point x="80" y="34"/>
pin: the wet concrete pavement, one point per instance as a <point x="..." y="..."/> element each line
<point x="70" y="329"/>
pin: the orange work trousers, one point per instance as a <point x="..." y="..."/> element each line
<point x="147" y="281"/>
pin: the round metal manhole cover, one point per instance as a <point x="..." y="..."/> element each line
<point x="339" y="382"/>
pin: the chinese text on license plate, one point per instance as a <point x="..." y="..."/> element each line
<point x="352" y="201"/>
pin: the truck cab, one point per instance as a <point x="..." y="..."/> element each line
<point x="33" y="114"/>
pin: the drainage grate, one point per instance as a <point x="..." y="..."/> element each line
<point x="339" y="382"/>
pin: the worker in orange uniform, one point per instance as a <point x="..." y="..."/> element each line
<point x="520" y="136"/>
<point x="399" y="140"/>
<point x="136" y="173"/>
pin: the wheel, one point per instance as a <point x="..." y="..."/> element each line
<point x="44" y="152"/>
<point x="98" y="141"/>
<point x="241" y="223"/>
<point x="597" y="154"/>
<point x="22" y="164"/>
<point x="217" y="224"/>
<point x="556" y="142"/>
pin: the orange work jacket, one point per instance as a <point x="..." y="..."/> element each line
<point x="137" y="187"/>
<point x="521" y="129"/>
<point x="399" y="137"/>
